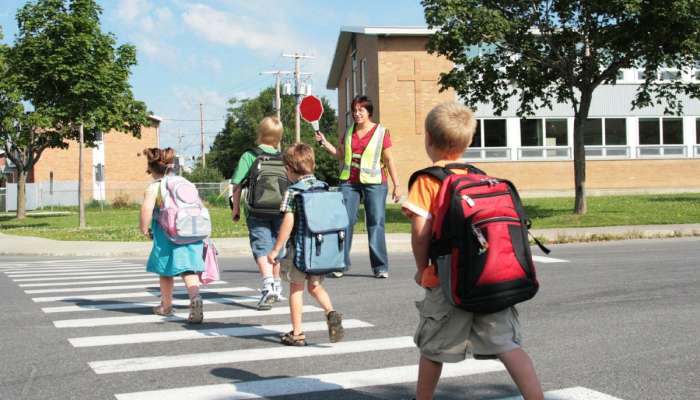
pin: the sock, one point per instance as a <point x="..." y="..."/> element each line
<point x="267" y="282"/>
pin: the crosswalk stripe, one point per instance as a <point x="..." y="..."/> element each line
<point x="151" y="278"/>
<point x="145" y="319"/>
<point x="112" y="296"/>
<point x="103" y="275"/>
<point x="574" y="393"/>
<point x="258" y="330"/>
<point x="85" y="270"/>
<point x="311" y="383"/>
<point x="57" y="261"/>
<point x="102" y="288"/>
<point x="548" y="260"/>
<point x="245" y="355"/>
<point x="146" y="304"/>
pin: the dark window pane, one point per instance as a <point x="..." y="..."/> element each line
<point x="495" y="132"/>
<point x="649" y="131"/>
<point x="476" y="141"/>
<point x="669" y="75"/>
<point x="531" y="133"/>
<point x="697" y="130"/>
<point x="556" y="132"/>
<point x="615" y="131"/>
<point x="673" y="130"/>
<point x="620" y="75"/>
<point x="593" y="132"/>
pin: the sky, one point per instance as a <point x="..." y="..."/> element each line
<point x="209" y="51"/>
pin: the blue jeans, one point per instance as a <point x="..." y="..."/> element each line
<point x="374" y="200"/>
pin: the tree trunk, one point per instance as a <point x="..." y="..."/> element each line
<point x="81" y="203"/>
<point x="580" y="205"/>
<point x="21" y="194"/>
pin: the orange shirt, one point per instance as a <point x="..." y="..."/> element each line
<point x="422" y="202"/>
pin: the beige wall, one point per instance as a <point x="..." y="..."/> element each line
<point x="124" y="165"/>
<point x="408" y="90"/>
<point x="366" y="47"/>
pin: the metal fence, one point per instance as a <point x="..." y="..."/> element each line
<point x="117" y="194"/>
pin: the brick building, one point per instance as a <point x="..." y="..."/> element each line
<point x="392" y="67"/>
<point x="114" y="168"/>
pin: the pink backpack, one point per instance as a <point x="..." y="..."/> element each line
<point x="182" y="216"/>
<point x="211" y="264"/>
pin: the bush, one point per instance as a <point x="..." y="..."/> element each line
<point x="121" y="200"/>
<point x="203" y="174"/>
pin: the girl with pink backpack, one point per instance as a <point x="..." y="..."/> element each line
<point x="172" y="256"/>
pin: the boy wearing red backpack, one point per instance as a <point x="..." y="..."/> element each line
<point x="445" y="332"/>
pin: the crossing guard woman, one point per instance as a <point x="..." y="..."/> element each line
<point x="365" y="158"/>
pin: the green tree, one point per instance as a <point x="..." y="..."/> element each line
<point x="542" y="52"/>
<point x="73" y="74"/>
<point x="239" y="133"/>
<point x="203" y="174"/>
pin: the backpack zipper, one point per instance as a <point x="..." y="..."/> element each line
<point x="470" y="199"/>
<point x="496" y="219"/>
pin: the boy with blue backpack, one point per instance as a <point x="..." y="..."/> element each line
<point x="315" y="220"/>
<point x="261" y="171"/>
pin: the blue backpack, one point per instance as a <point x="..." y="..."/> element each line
<point x="321" y="220"/>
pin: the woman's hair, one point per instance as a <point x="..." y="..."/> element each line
<point x="299" y="158"/>
<point x="270" y="131"/>
<point x="160" y="161"/>
<point x="364" y="102"/>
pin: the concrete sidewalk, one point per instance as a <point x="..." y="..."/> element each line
<point x="396" y="242"/>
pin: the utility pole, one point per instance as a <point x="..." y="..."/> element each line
<point x="201" y="135"/>
<point x="297" y="92"/>
<point x="278" y="98"/>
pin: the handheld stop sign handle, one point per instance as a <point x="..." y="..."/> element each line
<point x="311" y="110"/>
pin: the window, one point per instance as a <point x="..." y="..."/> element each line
<point x="99" y="136"/>
<point x="354" y="73"/>
<point x="697" y="130"/>
<point x="348" y="100"/>
<point x="615" y="132"/>
<point x="490" y="133"/>
<point x="641" y="75"/>
<point x="650" y="131"/>
<point x="673" y="130"/>
<point x="593" y="132"/>
<point x="669" y="75"/>
<point x="620" y="75"/>
<point x="363" y="76"/>
<point x="544" y="132"/>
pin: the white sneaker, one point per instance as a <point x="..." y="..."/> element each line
<point x="277" y="289"/>
<point x="267" y="298"/>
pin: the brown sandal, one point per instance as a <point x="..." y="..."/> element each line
<point x="290" y="339"/>
<point x="161" y="310"/>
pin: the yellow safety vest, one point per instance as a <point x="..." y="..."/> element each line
<point x="370" y="160"/>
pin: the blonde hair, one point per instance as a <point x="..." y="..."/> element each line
<point x="451" y="127"/>
<point x="159" y="161"/>
<point x="270" y="131"/>
<point x="299" y="158"/>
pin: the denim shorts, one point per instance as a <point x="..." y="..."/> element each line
<point x="262" y="233"/>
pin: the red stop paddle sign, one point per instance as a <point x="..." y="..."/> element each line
<point x="311" y="110"/>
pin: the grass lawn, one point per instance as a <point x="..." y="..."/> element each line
<point x="122" y="224"/>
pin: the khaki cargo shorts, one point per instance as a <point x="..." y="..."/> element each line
<point x="289" y="273"/>
<point x="446" y="333"/>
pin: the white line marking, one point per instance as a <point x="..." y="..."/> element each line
<point x="101" y="288"/>
<point x="548" y="260"/>
<point x="311" y="383"/>
<point x="103" y="275"/>
<point x="151" y="278"/>
<point x="145" y="319"/>
<point x="258" y="330"/>
<point x="110" y="296"/>
<point x="66" y="271"/>
<point x="147" y="304"/>
<point x="239" y="356"/>
<point x="63" y="261"/>
<point x="574" y="393"/>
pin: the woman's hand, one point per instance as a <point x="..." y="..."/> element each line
<point x="396" y="194"/>
<point x="320" y="137"/>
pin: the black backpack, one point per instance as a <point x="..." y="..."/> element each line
<point x="266" y="183"/>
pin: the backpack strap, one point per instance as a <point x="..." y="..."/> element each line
<point x="440" y="173"/>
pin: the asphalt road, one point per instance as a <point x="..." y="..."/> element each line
<point x="617" y="320"/>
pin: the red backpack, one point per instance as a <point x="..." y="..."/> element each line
<point x="480" y="240"/>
